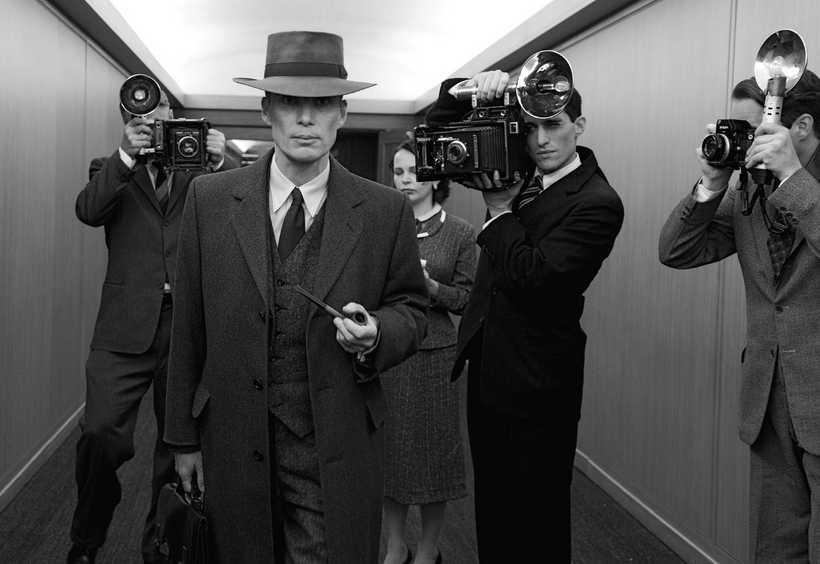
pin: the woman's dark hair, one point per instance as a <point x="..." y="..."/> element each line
<point x="442" y="189"/>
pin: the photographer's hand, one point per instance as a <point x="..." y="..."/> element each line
<point x="774" y="148"/>
<point x="215" y="145"/>
<point x="137" y="135"/>
<point x="498" y="201"/>
<point x="714" y="179"/>
<point x="490" y="85"/>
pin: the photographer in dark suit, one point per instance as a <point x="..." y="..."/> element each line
<point x="779" y="415"/>
<point x="140" y="208"/>
<point x="540" y="249"/>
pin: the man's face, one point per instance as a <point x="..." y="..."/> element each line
<point x="748" y="110"/>
<point x="304" y="129"/>
<point x="551" y="141"/>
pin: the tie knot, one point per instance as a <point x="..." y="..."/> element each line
<point x="537" y="181"/>
<point x="297" y="197"/>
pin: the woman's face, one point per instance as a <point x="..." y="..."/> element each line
<point x="404" y="177"/>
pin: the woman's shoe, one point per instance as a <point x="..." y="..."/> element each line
<point x="409" y="558"/>
<point x="438" y="558"/>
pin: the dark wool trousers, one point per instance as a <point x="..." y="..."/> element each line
<point x="116" y="384"/>
<point x="523" y="473"/>
<point x="784" y="489"/>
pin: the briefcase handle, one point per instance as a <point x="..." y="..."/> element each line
<point x="196" y="498"/>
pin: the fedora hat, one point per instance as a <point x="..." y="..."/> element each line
<point x="307" y="64"/>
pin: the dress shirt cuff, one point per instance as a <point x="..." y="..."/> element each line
<point x="126" y="160"/>
<point x="489" y="221"/>
<point x="703" y="195"/>
<point x="362" y="356"/>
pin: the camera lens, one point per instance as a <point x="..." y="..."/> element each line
<point x="715" y="147"/>
<point x="188" y="146"/>
<point x="456" y="152"/>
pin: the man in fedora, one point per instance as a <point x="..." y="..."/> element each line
<point x="274" y="404"/>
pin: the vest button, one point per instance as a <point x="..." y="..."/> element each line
<point x="280" y="282"/>
<point x="257" y="383"/>
<point x="779" y="309"/>
<point x="494" y="291"/>
<point x="481" y="319"/>
<point x="258" y="456"/>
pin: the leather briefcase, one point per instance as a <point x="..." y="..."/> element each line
<point x="181" y="532"/>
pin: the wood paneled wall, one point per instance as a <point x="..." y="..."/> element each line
<point x="58" y="100"/>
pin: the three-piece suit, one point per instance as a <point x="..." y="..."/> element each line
<point x="129" y="348"/>
<point x="240" y="375"/>
<point x="779" y="408"/>
<point x="522" y="336"/>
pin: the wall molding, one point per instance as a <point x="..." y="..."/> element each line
<point x="22" y="477"/>
<point x="677" y="540"/>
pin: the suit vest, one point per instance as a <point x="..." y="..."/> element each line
<point x="288" y="392"/>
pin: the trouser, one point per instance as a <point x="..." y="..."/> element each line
<point x="784" y="489"/>
<point x="523" y="473"/>
<point x="116" y="384"/>
<point x="296" y="497"/>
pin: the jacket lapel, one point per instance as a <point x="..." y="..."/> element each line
<point x="251" y="219"/>
<point x="179" y="181"/>
<point x="342" y="228"/>
<point x="143" y="180"/>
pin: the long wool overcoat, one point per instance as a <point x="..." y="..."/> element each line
<point x="219" y="353"/>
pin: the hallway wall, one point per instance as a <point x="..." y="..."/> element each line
<point x="57" y="111"/>
<point x="663" y="365"/>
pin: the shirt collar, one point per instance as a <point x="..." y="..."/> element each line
<point x="431" y="213"/>
<point x="313" y="191"/>
<point x="548" y="180"/>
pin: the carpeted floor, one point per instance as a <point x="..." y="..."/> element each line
<point x="34" y="526"/>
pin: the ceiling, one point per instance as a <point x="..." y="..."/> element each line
<point x="407" y="47"/>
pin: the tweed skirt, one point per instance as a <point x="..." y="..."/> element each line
<point x="424" y="454"/>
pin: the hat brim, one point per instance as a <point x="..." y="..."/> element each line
<point x="305" y="86"/>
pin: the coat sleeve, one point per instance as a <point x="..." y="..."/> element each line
<point x="454" y="294"/>
<point x="570" y="251"/>
<point x="188" y="344"/>
<point x="402" y="311"/>
<point x="698" y="233"/>
<point x="798" y="199"/>
<point x="108" y="177"/>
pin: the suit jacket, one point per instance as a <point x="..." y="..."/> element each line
<point x="523" y="315"/>
<point x="217" y="400"/>
<point x="142" y="248"/>
<point x="783" y="315"/>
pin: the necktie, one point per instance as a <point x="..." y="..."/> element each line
<point x="161" y="186"/>
<point x="293" y="227"/>
<point x="530" y="192"/>
<point x="780" y="244"/>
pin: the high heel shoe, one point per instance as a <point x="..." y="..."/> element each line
<point x="438" y="558"/>
<point x="409" y="558"/>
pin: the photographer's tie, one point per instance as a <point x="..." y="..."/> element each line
<point x="293" y="227"/>
<point x="530" y="192"/>
<point x="161" y="186"/>
<point x="780" y="244"/>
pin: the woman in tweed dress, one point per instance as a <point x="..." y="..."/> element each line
<point x="424" y="455"/>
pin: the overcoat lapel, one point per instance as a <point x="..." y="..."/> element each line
<point x="250" y="218"/>
<point x="342" y="229"/>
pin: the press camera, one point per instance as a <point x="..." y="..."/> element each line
<point x="494" y="138"/>
<point x="178" y="144"/>
<point x="727" y="146"/>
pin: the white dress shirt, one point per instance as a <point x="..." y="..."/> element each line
<point x="314" y="192"/>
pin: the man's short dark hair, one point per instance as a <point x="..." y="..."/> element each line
<point x="442" y="191"/>
<point x="573" y="108"/>
<point x="749" y="90"/>
<point x="804" y="98"/>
